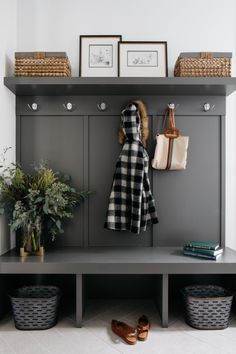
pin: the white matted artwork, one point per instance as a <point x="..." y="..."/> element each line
<point x="143" y="59"/>
<point x="99" y="56"/>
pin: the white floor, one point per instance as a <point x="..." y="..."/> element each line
<point x="96" y="337"/>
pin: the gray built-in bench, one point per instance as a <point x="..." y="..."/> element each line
<point x="82" y="142"/>
<point x="159" y="261"/>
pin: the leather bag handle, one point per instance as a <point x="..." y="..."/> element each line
<point x="170" y="131"/>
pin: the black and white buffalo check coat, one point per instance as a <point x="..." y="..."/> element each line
<point x="131" y="205"/>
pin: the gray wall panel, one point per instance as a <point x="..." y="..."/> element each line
<point x="104" y="150"/>
<point x="59" y="140"/>
<point x="189" y="201"/>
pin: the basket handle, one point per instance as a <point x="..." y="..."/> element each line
<point x="206" y="55"/>
<point x="39" y="55"/>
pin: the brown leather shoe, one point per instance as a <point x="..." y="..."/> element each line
<point x="127" y="333"/>
<point x="143" y="328"/>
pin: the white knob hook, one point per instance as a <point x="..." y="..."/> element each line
<point x="102" y="106"/>
<point x="69" y="106"/>
<point x="208" y="107"/>
<point x="173" y="106"/>
<point x="33" y="106"/>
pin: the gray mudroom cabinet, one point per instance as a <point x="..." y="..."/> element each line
<point x="82" y="142"/>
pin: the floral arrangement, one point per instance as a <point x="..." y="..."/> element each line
<point x="43" y="196"/>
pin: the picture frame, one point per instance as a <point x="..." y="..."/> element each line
<point x="99" y="55"/>
<point x="143" y="59"/>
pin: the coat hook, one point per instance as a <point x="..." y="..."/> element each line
<point x="173" y="105"/>
<point x="208" y="107"/>
<point x="69" y="106"/>
<point x="34" y="106"/>
<point x="102" y="106"/>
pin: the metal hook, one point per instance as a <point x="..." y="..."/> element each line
<point x="33" y="107"/>
<point x="208" y="107"/>
<point x="174" y="106"/>
<point x="102" y="106"/>
<point x="69" y="106"/>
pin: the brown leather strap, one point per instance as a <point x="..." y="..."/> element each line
<point x="206" y="55"/>
<point x="171" y="118"/>
<point x="170" y="131"/>
<point x="164" y="119"/>
<point x="39" y="55"/>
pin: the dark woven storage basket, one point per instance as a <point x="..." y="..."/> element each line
<point x="207" y="306"/>
<point x="35" y="307"/>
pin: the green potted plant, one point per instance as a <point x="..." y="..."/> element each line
<point x="32" y="201"/>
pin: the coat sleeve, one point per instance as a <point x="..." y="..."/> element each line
<point x="136" y="168"/>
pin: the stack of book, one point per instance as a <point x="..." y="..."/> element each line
<point x="207" y="250"/>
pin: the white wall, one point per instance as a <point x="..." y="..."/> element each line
<point x="187" y="25"/>
<point x="8" y="24"/>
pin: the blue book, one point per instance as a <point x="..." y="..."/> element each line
<point x="203" y="244"/>
<point x="200" y="255"/>
<point x="204" y="250"/>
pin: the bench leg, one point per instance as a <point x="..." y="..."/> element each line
<point x="79" y="300"/>
<point x="165" y="301"/>
<point x="162" y="298"/>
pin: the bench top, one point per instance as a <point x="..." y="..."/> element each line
<point x="116" y="260"/>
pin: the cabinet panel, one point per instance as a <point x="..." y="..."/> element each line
<point x="188" y="202"/>
<point x="60" y="141"/>
<point x="189" y="205"/>
<point x="104" y="150"/>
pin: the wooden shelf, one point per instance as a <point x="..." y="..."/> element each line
<point x="171" y="86"/>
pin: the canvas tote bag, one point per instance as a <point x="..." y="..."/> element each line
<point x="171" y="147"/>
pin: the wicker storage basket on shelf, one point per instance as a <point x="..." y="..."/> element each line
<point x="207" y="306"/>
<point x="203" y="65"/>
<point x="42" y="64"/>
<point x="35" y="307"/>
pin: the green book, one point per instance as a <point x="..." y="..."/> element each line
<point x="204" y="250"/>
<point x="202" y="244"/>
<point x="200" y="255"/>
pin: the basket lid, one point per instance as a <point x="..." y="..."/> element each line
<point x="199" y="54"/>
<point x="42" y="54"/>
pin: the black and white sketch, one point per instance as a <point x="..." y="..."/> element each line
<point x="142" y="58"/>
<point x="100" y="56"/>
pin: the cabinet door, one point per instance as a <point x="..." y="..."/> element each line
<point x="104" y="150"/>
<point x="59" y="140"/>
<point x="189" y="201"/>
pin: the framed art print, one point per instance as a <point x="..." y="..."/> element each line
<point x="143" y="59"/>
<point x="99" y="55"/>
